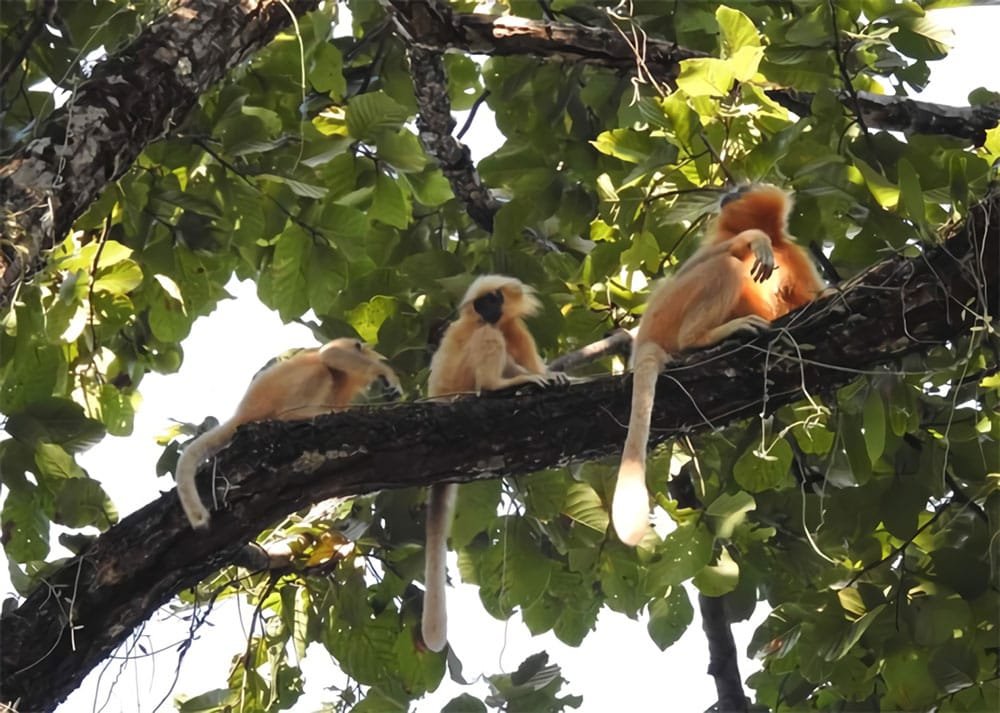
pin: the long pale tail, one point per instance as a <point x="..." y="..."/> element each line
<point x="440" y="509"/>
<point x="630" y="504"/>
<point x="204" y="446"/>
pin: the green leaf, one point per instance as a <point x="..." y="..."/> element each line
<point x="288" y="273"/>
<point x="881" y="189"/>
<point x="745" y="63"/>
<point x="376" y="701"/>
<point x="299" y="188"/>
<point x="846" y="643"/>
<point x="719" y="578"/>
<point x="430" y="188"/>
<point x="168" y="318"/>
<point x="669" y="617"/>
<point x="326" y="71"/>
<point x="921" y="38"/>
<point x="31" y="375"/>
<point x="684" y="552"/>
<point x="344" y="223"/>
<point x="938" y="618"/>
<point x="402" y="150"/>
<point x="25" y="527"/>
<point x="705" y="77"/>
<point x="910" y="193"/>
<point x="117" y="412"/>
<point x="170" y="287"/>
<point x="643" y="251"/>
<point x="122" y="277"/>
<point x="54" y="463"/>
<point x="624" y="144"/>
<point x="727" y="512"/>
<point x="55" y="420"/>
<point x="390" y="205"/>
<point x="583" y="505"/>
<point x="528" y="570"/>
<point x="758" y="472"/>
<point x="737" y="30"/>
<point x="111" y="253"/>
<point x="475" y="510"/>
<point x="907" y="677"/>
<point x="464" y="704"/>
<point x="874" y="425"/>
<point x="954" y="666"/>
<point x="81" y="502"/>
<point x="368" y="316"/>
<point x="368" y="113"/>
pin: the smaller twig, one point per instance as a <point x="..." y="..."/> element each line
<point x="618" y="342"/>
<point x="896" y="551"/>
<point x="829" y="271"/>
<point x="845" y="76"/>
<point x="43" y="13"/>
<point x="472" y="113"/>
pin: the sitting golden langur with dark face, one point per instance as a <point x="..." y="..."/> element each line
<point x="487" y="348"/>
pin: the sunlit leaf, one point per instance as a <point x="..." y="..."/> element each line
<point x="756" y="471"/>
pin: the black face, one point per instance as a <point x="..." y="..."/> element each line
<point x="489" y="306"/>
<point x="734" y="194"/>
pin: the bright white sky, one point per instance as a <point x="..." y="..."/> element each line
<point x="616" y="658"/>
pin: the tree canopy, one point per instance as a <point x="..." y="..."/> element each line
<point x="841" y="470"/>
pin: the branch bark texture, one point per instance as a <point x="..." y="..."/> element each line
<point x="896" y="307"/>
<point x="431" y="29"/>
<point x="130" y="100"/>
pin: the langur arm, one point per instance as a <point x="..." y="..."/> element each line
<point x="487" y="350"/>
<point x="739" y="246"/>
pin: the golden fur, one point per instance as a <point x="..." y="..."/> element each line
<point x="747" y="273"/>
<point x="474" y="356"/>
<point x="313" y="382"/>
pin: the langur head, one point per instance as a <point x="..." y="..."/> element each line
<point x="349" y="344"/>
<point x="760" y="206"/>
<point x="496" y="298"/>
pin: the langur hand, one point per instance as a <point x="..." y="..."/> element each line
<point x="752" y="323"/>
<point x="391" y="381"/>
<point x="763" y="264"/>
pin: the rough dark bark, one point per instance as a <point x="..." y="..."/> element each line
<point x="130" y="100"/>
<point x="904" y="114"/>
<point x="722" y="664"/>
<point x="426" y="27"/>
<point x="435" y="123"/>
<point x="898" y="306"/>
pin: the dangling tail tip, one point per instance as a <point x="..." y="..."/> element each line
<point x="630" y="504"/>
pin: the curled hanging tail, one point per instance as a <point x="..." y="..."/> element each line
<point x="440" y="509"/>
<point x="204" y="446"/>
<point x="630" y="504"/>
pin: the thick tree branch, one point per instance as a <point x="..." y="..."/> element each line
<point x="130" y="100"/>
<point x="723" y="662"/>
<point x="904" y="114"/>
<point x="506" y="35"/>
<point x="435" y="123"/>
<point x="897" y="307"/>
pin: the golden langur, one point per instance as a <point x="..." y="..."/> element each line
<point x="747" y="273"/>
<point x="487" y="348"/>
<point x="312" y="382"/>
